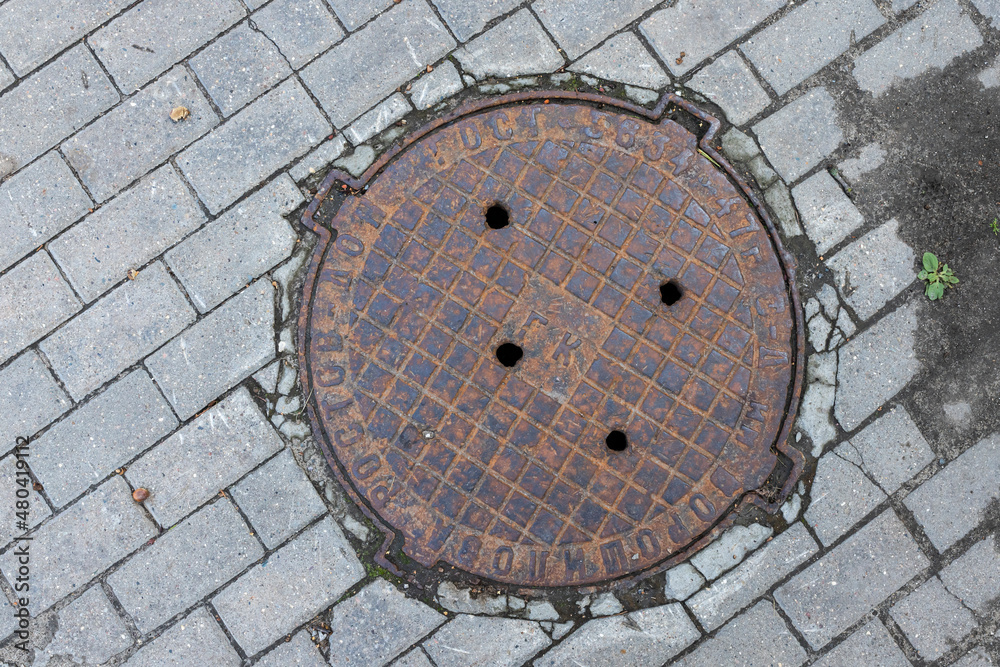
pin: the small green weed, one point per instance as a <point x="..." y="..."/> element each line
<point x="994" y="228"/>
<point x="938" y="276"/>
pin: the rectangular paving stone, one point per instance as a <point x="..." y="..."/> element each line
<point x="224" y="348"/>
<point x="836" y="591"/>
<point x="874" y="269"/>
<point x="117" y="331"/>
<point x="318" y="158"/>
<point x="614" y="641"/>
<point x="974" y="577"/>
<point x="374" y="121"/>
<point x="468" y="18"/>
<point x="127" y="232"/>
<point x="115" y="527"/>
<point x="431" y="88"/>
<point x="238" y="67"/>
<point x="404" y="40"/>
<point x="90" y="632"/>
<point x="809" y="38"/>
<point x="205" y="456"/>
<point x="842" y="495"/>
<point x="302" y="29"/>
<point x="155" y="34"/>
<point x="514" y="47"/>
<point x="6" y="76"/>
<point x="103" y="434"/>
<point x="38" y="203"/>
<point x="579" y="25"/>
<point x="827" y="213"/>
<point x="277" y="128"/>
<point x="757" y="637"/>
<point x="300" y="652"/>
<point x="875" y="365"/>
<point x="32" y="31"/>
<point x="29" y="398"/>
<point x="729" y="549"/>
<point x="752" y="578"/>
<point x="623" y="58"/>
<point x="214" y="544"/>
<point x="290" y="587"/>
<point x="953" y="502"/>
<point x="798" y="136"/>
<point x="932" y="40"/>
<point x="278" y="499"/>
<point x="38" y="510"/>
<point x="869" y="645"/>
<point x="355" y="13"/>
<point x="729" y="83"/>
<point x="243" y="243"/>
<point x="194" y="640"/>
<point x="700" y="28"/>
<point x="481" y="640"/>
<point x="391" y="623"/>
<point x="891" y="450"/>
<point x="932" y="619"/>
<point x="75" y="91"/>
<point x="34" y="299"/>
<point x="138" y="135"/>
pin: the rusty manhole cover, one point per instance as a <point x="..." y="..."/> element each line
<point x="551" y="344"/>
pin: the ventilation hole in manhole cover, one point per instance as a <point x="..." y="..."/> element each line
<point x="670" y="293"/>
<point x="497" y="217"/>
<point x="509" y="354"/>
<point x="616" y="441"/>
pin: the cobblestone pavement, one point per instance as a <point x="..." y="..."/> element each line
<point x="149" y="285"/>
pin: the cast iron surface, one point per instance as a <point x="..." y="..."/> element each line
<point x="504" y="472"/>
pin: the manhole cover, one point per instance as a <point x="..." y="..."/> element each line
<point x="550" y="345"/>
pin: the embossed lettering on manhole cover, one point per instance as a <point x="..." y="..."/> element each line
<point x="550" y="345"/>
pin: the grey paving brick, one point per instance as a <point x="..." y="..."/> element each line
<point x="320" y="157"/>
<point x="117" y="331"/>
<point x="238" y="67"/>
<point x="302" y="29"/>
<point x="869" y="645"/>
<point x="224" y="348"/>
<point x="277" y="128"/>
<point x="700" y="29"/>
<point x="729" y="83"/>
<point x="974" y="577"/>
<point x="193" y="559"/>
<point x="377" y="624"/>
<point x="278" y="499"/>
<point x="841" y="496"/>
<point x="90" y="632"/>
<point x="11" y="483"/>
<point x="194" y="640"/>
<point x="290" y="587"/>
<point x="613" y="641"/>
<point x="207" y="455"/>
<point x="891" y="450"/>
<point x="932" y="619"/>
<point x="952" y="502"/>
<point x="728" y="550"/>
<point x="32" y="31"/>
<point x="799" y="135"/>
<point x="444" y="81"/>
<point x="757" y="637"/>
<point x="371" y="123"/>
<point x="403" y="41"/>
<point x="39" y="202"/>
<point x="734" y="591"/>
<point x="516" y="46"/>
<point x="34" y="299"/>
<point x="900" y="5"/>
<point x="809" y="38"/>
<point x="975" y="658"/>
<point x="127" y="232"/>
<point x="300" y="652"/>
<point x="467" y="18"/>
<point x="149" y="38"/>
<point x="990" y="9"/>
<point x="230" y="252"/>
<point x="579" y="25"/>
<point x="623" y="58"/>
<point x="932" y="40"/>
<point x="75" y="91"/>
<point x="415" y="658"/>
<point x="29" y="398"/>
<point x="115" y="527"/>
<point x="836" y="591"/>
<point x="874" y="269"/>
<point x="682" y="581"/>
<point x="875" y="365"/>
<point x="99" y="436"/>
<point x="828" y="214"/>
<point x="6" y="76"/>
<point x="138" y="135"/>
<point x="479" y="641"/>
<point x="355" y="13"/>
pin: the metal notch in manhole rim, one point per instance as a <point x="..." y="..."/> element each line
<point x="551" y="344"/>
